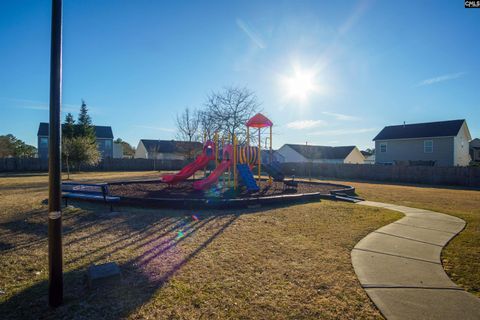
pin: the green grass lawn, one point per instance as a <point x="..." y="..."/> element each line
<point x="273" y="263"/>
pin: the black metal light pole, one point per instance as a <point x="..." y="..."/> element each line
<point x="55" y="255"/>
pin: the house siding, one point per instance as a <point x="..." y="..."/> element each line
<point x="102" y="146"/>
<point x="290" y="155"/>
<point x="42" y="147"/>
<point x="140" y="152"/>
<point x="117" y="150"/>
<point x="413" y="150"/>
<point x="461" y="147"/>
<point x="105" y="146"/>
<point x="355" y="157"/>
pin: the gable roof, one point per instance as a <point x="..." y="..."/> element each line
<point x="421" y="130"/>
<point x="322" y="152"/>
<point x="170" y="146"/>
<point x="259" y="121"/>
<point x="101" y="132"/>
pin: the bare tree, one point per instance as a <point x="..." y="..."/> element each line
<point x="228" y="111"/>
<point x="208" y="126"/>
<point x="188" y="125"/>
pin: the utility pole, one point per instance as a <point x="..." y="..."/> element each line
<point x="55" y="255"/>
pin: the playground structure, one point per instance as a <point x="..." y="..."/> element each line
<point x="236" y="160"/>
<point x="230" y="184"/>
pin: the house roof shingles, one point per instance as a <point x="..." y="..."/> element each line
<point x="421" y="130"/>
<point x="170" y="146"/>
<point x="101" y="132"/>
<point x="322" y="152"/>
<point x="475" y="143"/>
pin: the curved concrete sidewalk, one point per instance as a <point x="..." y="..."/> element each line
<point x="399" y="267"/>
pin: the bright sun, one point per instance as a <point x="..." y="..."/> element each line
<point x="300" y="84"/>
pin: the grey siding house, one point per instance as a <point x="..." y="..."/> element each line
<point x="475" y="150"/>
<point x="103" y="134"/>
<point x="443" y="143"/>
<point x="320" y="154"/>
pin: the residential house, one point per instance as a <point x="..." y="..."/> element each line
<point x="475" y="150"/>
<point x="443" y="143"/>
<point x="369" y="157"/>
<point x="167" y="149"/>
<point x="117" y="150"/>
<point x="103" y="135"/>
<point x="320" y="154"/>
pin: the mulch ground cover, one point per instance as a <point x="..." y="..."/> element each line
<point x="186" y="190"/>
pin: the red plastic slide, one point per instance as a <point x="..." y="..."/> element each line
<point x="199" y="163"/>
<point x="213" y="177"/>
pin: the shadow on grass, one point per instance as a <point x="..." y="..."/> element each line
<point x="157" y="246"/>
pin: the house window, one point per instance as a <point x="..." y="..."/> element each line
<point x="108" y="144"/>
<point x="383" y="147"/>
<point x="428" y="146"/>
<point x="43" y="142"/>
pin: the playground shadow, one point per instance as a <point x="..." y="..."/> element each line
<point x="161" y="243"/>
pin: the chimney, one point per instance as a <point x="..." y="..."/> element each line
<point x="404" y="124"/>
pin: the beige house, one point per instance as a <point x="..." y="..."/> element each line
<point x="443" y="143"/>
<point x="167" y="149"/>
<point x="320" y="154"/>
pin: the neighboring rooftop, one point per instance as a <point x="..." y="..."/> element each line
<point x="475" y="143"/>
<point x="170" y="146"/>
<point x="101" y="132"/>
<point x="322" y="152"/>
<point x="421" y="130"/>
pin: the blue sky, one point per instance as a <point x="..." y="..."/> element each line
<point x="366" y="64"/>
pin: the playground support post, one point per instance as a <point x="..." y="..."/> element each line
<point x="223" y="146"/>
<point x="204" y="143"/>
<point x="271" y="154"/>
<point x="216" y="149"/>
<point x="235" y="154"/>
<point x="259" y="155"/>
<point x="229" y="170"/>
<point x="55" y="255"/>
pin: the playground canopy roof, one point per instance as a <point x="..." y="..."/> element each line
<point x="259" y="121"/>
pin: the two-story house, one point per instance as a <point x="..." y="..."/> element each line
<point x="103" y="135"/>
<point x="443" y="143"/>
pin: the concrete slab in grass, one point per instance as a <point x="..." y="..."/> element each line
<point x="393" y="245"/>
<point x="433" y="224"/>
<point x="417" y="304"/>
<point x="435" y="216"/>
<point x="379" y="270"/>
<point x="103" y="275"/>
<point x="420" y="234"/>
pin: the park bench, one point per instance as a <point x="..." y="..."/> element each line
<point x="88" y="192"/>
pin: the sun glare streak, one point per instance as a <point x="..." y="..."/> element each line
<point x="300" y="84"/>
